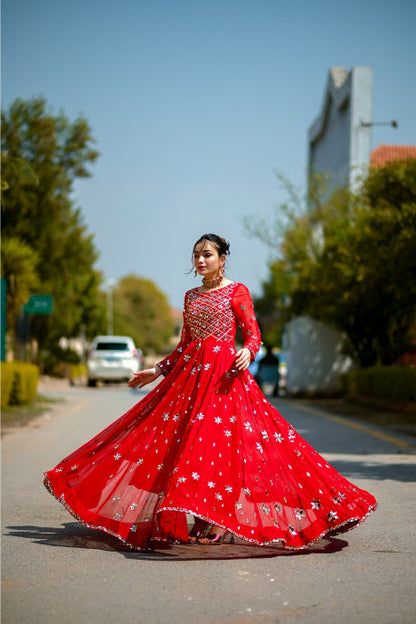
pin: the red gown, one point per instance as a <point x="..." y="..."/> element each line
<point x="206" y="442"/>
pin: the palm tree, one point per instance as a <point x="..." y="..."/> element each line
<point x="19" y="270"/>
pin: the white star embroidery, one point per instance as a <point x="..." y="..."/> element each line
<point x="218" y="420"/>
<point x="211" y="484"/>
<point x="227" y="433"/>
<point x="117" y="456"/>
<point x="248" y="426"/>
<point x="195" y="476"/>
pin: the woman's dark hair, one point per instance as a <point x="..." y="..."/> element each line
<point x="222" y="245"/>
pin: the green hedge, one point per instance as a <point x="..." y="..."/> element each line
<point x="7" y="376"/>
<point x="383" y="382"/>
<point x="76" y="371"/>
<point x="19" y="383"/>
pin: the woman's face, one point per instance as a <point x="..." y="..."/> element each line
<point x="206" y="259"/>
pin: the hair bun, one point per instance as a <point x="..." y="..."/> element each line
<point x="225" y="245"/>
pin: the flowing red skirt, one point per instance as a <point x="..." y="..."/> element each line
<point x="206" y="442"/>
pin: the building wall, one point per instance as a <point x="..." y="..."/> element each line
<point x="339" y="145"/>
<point x="315" y="359"/>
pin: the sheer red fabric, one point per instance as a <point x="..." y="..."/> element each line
<point x="206" y="442"/>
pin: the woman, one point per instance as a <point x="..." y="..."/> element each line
<point x="206" y="442"/>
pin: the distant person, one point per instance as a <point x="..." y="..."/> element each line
<point x="206" y="442"/>
<point x="268" y="371"/>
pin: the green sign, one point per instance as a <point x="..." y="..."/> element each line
<point x="39" y="304"/>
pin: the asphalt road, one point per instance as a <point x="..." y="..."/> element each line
<point x="54" y="570"/>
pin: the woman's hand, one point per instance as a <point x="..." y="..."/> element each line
<point x="144" y="377"/>
<point x="243" y="359"/>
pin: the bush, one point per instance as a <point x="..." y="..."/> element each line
<point x="7" y="376"/>
<point x="56" y="361"/>
<point x="77" y="371"/>
<point x="383" y="382"/>
<point x="19" y="383"/>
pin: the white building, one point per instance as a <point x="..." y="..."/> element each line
<point x="339" y="145"/>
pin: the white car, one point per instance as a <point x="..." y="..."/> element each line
<point x="113" y="358"/>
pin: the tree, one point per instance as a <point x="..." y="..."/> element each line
<point x="352" y="262"/>
<point x="271" y="307"/>
<point x="42" y="155"/>
<point x="142" y="311"/>
<point x="19" y="269"/>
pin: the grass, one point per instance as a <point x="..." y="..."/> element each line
<point x="20" y="415"/>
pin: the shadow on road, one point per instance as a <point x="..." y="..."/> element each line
<point x="73" y="535"/>
<point x="368" y="469"/>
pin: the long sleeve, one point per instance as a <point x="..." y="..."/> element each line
<point x="244" y="312"/>
<point x="169" y="362"/>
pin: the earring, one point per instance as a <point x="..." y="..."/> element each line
<point x="195" y="273"/>
<point x="221" y="272"/>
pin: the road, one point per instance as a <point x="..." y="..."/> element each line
<point x="55" y="570"/>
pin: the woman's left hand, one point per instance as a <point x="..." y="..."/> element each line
<point x="243" y="359"/>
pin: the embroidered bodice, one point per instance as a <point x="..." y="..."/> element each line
<point x="217" y="314"/>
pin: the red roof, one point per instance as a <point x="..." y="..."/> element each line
<point x="386" y="153"/>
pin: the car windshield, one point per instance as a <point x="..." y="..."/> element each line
<point x="112" y="346"/>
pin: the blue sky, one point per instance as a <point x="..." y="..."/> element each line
<point x="194" y="106"/>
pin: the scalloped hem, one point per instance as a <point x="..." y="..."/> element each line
<point x="342" y="527"/>
<point x="281" y="542"/>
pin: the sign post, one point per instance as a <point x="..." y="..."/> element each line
<point x="39" y="304"/>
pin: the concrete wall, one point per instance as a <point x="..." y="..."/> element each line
<point x="315" y="361"/>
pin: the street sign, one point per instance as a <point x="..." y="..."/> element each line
<point x="39" y="304"/>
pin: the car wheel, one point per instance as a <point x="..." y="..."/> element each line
<point x="92" y="383"/>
